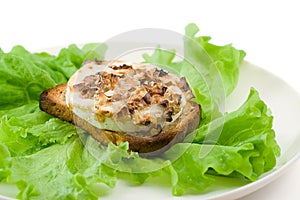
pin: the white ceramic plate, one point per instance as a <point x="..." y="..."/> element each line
<point x="284" y="103"/>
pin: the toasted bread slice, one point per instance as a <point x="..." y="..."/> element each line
<point x="117" y="101"/>
<point x="53" y="102"/>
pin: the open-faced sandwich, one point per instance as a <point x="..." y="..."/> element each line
<point x="117" y="101"/>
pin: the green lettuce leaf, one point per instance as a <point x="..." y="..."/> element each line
<point x="23" y="75"/>
<point x="224" y="59"/>
<point x="70" y="59"/>
<point x="59" y="172"/>
<point x="190" y="173"/>
<point x="211" y="71"/>
<point x="78" y="166"/>
<point x="130" y="166"/>
<point x="241" y="144"/>
<point x="21" y="81"/>
<point x="4" y="154"/>
<point x="41" y="60"/>
<point x="27" y="129"/>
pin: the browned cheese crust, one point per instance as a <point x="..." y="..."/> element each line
<point x="53" y="101"/>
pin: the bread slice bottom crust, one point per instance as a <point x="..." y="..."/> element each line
<point x="53" y="102"/>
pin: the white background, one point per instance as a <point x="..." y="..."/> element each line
<point x="267" y="30"/>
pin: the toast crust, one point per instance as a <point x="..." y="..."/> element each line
<point x="53" y="102"/>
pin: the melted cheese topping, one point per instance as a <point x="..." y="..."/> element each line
<point x="137" y="99"/>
